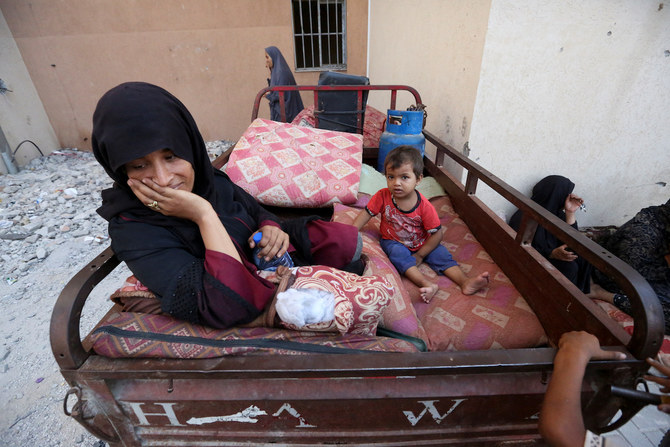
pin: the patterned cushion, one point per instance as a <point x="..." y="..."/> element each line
<point x="497" y="317"/>
<point x="131" y="334"/>
<point x="286" y="165"/>
<point x="373" y="125"/>
<point x="133" y="296"/>
<point x="359" y="300"/>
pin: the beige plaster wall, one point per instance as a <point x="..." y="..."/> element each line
<point x="209" y="53"/>
<point x="22" y="116"/>
<point x="579" y="89"/>
<point x="435" y="46"/>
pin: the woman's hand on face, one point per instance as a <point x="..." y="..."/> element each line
<point x="572" y="203"/>
<point x="274" y="243"/>
<point x="563" y="254"/>
<point x="170" y="202"/>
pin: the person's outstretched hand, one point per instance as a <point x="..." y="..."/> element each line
<point x="561" y="423"/>
<point x="586" y="346"/>
<point x="663" y="381"/>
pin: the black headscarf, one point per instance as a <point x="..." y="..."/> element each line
<point x="135" y="119"/>
<point x="281" y="75"/>
<point x="550" y="193"/>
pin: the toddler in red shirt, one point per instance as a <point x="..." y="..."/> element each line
<point x="410" y="227"/>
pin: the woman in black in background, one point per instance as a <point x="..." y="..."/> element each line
<point x="554" y="193"/>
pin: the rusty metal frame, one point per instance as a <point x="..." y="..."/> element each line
<point x="369" y="388"/>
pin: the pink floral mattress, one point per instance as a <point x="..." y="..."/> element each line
<point x="286" y="165"/>
<point x="495" y="318"/>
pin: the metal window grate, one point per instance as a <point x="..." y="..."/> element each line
<point x="319" y="30"/>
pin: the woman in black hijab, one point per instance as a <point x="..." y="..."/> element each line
<point x="280" y="74"/>
<point x="182" y="227"/>
<point x="554" y="193"/>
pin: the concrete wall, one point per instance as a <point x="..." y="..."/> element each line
<point x="537" y="88"/>
<point x="209" y="53"/>
<point x="435" y="46"/>
<point x="579" y="89"/>
<point x="22" y="116"/>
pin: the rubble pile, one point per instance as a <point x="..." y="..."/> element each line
<point x="51" y="200"/>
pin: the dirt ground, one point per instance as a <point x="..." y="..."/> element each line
<point x="32" y="386"/>
<point x="35" y="264"/>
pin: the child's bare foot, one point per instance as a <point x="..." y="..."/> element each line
<point x="427" y="293"/>
<point x="474" y="285"/>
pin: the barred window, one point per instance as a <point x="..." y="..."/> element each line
<point x="319" y="32"/>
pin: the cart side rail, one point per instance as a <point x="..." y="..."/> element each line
<point x="64" y="329"/>
<point x="646" y="309"/>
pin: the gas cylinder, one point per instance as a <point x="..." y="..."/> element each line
<point x="402" y="127"/>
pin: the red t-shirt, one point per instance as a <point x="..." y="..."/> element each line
<point x="410" y="228"/>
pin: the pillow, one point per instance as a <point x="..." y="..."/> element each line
<point x="399" y="315"/>
<point x="359" y="300"/>
<point x="362" y="201"/>
<point x="286" y="165"/>
<point x="371" y="180"/>
<point x="133" y="296"/>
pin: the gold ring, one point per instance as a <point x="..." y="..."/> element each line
<point x="153" y="205"/>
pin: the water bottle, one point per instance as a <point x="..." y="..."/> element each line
<point x="272" y="264"/>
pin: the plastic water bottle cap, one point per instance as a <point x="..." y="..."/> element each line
<point x="257" y="237"/>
